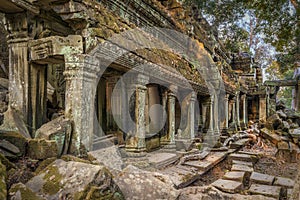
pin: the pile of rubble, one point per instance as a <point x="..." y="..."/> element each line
<point x="282" y="129"/>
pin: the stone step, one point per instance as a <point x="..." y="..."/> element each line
<point x="210" y="161"/>
<point x="250" y="164"/>
<point x="284" y="182"/>
<point x="180" y="177"/>
<point x="243" y="168"/>
<point x="266" y="190"/>
<point x="261" y="178"/>
<point x="228" y="185"/>
<point x="162" y="159"/>
<point x="243" y="157"/>
<point x="235" y="176"/>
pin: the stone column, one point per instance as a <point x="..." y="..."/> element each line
<point x="297" y="95"/>
<point x="237" y="103"/>
<point x="262" y="109"/>
<point x="81" y="83"/>
<point x="136" y="142"/>
<point x="226" y="109"/>
<point x="189" y="132"/>
<point x="210" y="130"/>
<point x="204" y="113"/>
<point x="233" y="113"/>
<point x="169" y="139"/>
<point x="110" y="86"/>
<point x="154" y="114"/>
<point x="19" y="73"/>
<point x="244" y="101"/>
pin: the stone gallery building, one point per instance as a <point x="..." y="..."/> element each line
<point x="66" y="58"/>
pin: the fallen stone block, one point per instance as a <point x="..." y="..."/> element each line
<point x="59" y="130"/>
<point x="139" y="184"/>
<point x="13" y="122"/>
<point x="243" y="157"/>
<point x="250" y="164"/>
<point x="20" y="191"/>
<point x="15" y="139"/>
<point x="41" y="149"/>
<point x="261" y="178"/>
<point x="235" y="176"/>
<point x="228" y="185"/>
<point x="74" y="180"/>
<point x="243" y="168"/>
<point x="284" y="182"/>
<point x="266" y="190"/>
<point x="269" y="135"/>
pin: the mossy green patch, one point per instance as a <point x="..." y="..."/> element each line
<point x="44" y="164"/>
<point x="52" y="180"/>
<point x="3" y="176"/>
<point x="26" y="193"/>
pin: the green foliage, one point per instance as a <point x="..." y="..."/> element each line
<point x="245" y="25"/>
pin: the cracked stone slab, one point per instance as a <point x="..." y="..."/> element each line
<point x="261" y="178"/>
<point x="266" y="190"/>
<point x="235" y="176"/>
<point x="228" y="185"/>
<point x="243" y="168"/>
<point x="284" y="182"/>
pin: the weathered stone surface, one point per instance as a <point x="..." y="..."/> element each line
<point x="181" y="176"/>
<point x="162" y="159"/>
<point x="210" y="161"/>
<point x="138" y="184"/>
<point x="266" y="133"/>
<point x="13" y="122"/>
<point x="243" y="157"/>
<point x="60" y="130"/>
<point x="74" y="180"/>
<point x="9" y="147"/>
<point x="3" y="190"/>
<point x="42" y="149"/>
<point x="16" y="139"/>
<point x="267" y="190"/>
<point x="235" y="176"/>
<point x="250" y="164"/>
<point x="211" y="193"/>
<point x="228" y="185"/>
<point x="261" y="178"/>
<point x="273" y="122"/>
<point x="19" y="191"/>
<point x="243" y="168"/>
<point x="284" y="126"/>
<point x="183" y="145"/>
<point x="4" y="83"/>
<point x="291" y="114"/>
<point x="285" y="182"/>
<point x="110" y="157"/>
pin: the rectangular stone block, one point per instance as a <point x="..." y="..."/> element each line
<point x="261" y="178"/>
<point x="243" y="168"/>
<point x="250" y="164"/>
<point x="284" y="182"/>
<point x="266" y="190"/>
<point x="235" y="176"/>
<point x="243" y="157"/>
<point x="228" y="185"/>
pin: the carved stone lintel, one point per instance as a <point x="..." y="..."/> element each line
<point x="43" y="49"/>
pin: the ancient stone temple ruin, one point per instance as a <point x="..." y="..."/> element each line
<point x="142" y="76"/>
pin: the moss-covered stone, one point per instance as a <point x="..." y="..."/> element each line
<point x="16" y="139"/>
<point x="52" y="180"/>
<point x="20" y="191"/>
<point x="3" y="176"/>
<point x="42" y="149"/>
<point x="44" y="164"/>
<point x="9" y="165"/>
